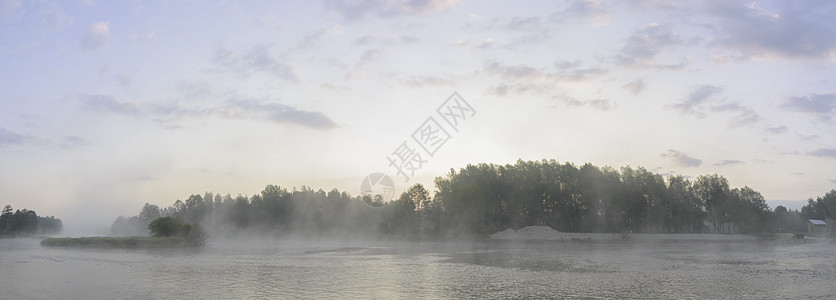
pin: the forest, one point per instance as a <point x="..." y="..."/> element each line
<point x="26" y="222"/>
<point x="482" y="199"/>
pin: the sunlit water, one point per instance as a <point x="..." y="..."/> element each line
<point x="612" y="269"/>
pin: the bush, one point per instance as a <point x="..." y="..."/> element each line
<point x="172" y="227"/>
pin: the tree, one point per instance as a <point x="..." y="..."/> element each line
<point x="191" y="234"/>
<point x="166" y="226"/>
<point x="713" y="193"/>
<point x="418" y="195"/>
<point x="149" y="213"/>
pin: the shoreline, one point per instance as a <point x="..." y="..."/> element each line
<point x="117" y="242"/>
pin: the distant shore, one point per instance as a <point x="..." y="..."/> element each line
<point x="545" y="233"/>
<point x="117" y="242"/>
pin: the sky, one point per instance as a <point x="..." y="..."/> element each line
<point x="107" y="105"/>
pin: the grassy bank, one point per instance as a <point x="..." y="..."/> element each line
<point x="118" y="242"/>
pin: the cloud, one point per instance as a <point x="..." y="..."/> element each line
<point x="728" y="162"/>
<point x="590" y="11"/>
<point x="525" y="24"/>
<point x="833" y="181"/>
<point x="72" y="141"/>
<point x="515" y="72"/>
<point x="819" y="105"/>
<point x="793" y="30"/>
<point x="280" y="113"/>
<point x="96" y="36"/>
<point x="194" y="89"/>
<point x="824" y="152"/>
<point x="523" y="78"/>
<point x="8" y="137"/>
<point x="486" y="44"/>
<point x="697" y="103"/>
<point x="701" y="94"/>
<point x="254" y="61"/>
<point x="568" y="64"/>
<point x="9" y="10"/>
<point x="598" y="104"/>
<point x="122" y="79"/>
<point x="776" y="129"/>
<point x="167" y="114"/>
<point x="314" y="37"/>
<point x="645" y="46"/>
<point x="427" y="81"/>
<point x="369" y="56"/>
<point x="808" y="137"/>
<point x="270" y="21"/>
<point x="354" y="10"/>
<point x="682" y="159"/>
<point x="38" y="16"/>
<point x="335" y="88"/>
<point x="635" y="87"/>
<point x="371" y="39"/>
<point x="745" y="115"/>
<point x="106" y="103"/>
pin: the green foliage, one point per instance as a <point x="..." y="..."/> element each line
<point x="789" y="221"/>
<point x="166" y="226"/>
<point x="483" y="199"/>
<point x="26" y="222"/>
<point x="486" y="198"/>
<point x="172" y="227"/>
<point x="823" y="208"/>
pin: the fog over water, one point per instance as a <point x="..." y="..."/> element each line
<point x="320" y="269"/>
<point x="417" y="149"/>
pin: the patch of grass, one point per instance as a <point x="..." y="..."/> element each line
<point x="118" y="242"/>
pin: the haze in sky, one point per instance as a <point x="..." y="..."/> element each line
<point x="107" y="105"/>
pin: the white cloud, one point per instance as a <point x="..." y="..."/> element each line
<point x="486" y="44"/>
<point x="169" y="114"/>
<point x="271" y="21"/>
<point x="745" y="115"/>
<point x="280" y="113"/>
<point x="96" y="36"/>
<point x="691" y="103"/>
<point x="776" y="129"/>
<point x="8" y="137"/>
<point x="792" y="30"/>
<point x="106" y="103"/>
<point x="353" y="10"/>
<point x="729" y="162"/>
<point x="824" y="152"/>
<point x="257" y="60"/>
<point x="682" y="159"/>
<point x="635" y="86"/>
<point x="598" y="104"/>
<point x="590" y="11"/>
<point x="819" y="105"/>
<point x="645" y="46"/>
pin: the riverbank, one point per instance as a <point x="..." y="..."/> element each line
<point x="118" y="242"/>
<point x="545" y="233"/>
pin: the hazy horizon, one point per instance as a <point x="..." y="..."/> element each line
<point x="107" y="105"/>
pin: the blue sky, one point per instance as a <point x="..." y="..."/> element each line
<point x="107" y="105"/>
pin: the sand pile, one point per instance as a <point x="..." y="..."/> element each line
<point x="529" y="233"/>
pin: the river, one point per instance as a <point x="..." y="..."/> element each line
<point x="362" y="270"/>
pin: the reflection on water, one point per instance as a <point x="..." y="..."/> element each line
<point x="612" y="269"/>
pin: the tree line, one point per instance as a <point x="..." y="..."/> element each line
<point x="26" y="222"/>
<point x="482" y="199"/>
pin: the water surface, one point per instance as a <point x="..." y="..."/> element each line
<point x="570" y="269"/>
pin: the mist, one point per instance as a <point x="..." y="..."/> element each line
<point x="417" y="149"/>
